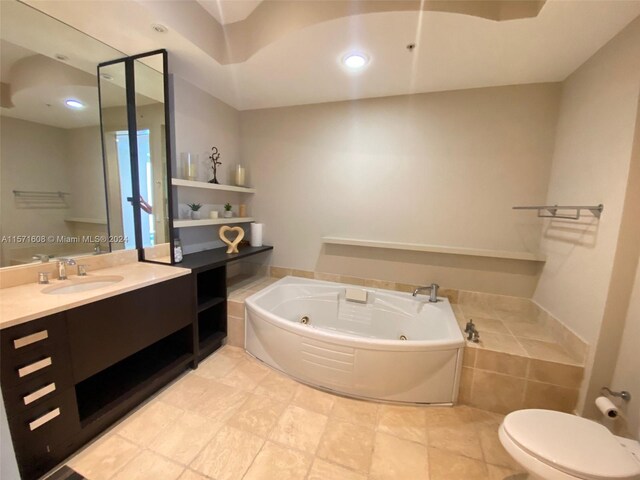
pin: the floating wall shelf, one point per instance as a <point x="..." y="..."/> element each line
<point x="211" y="221"/>
<point x="419" y="247"/>
<point x="99" y="221"/>
<point x="179" y="182"/>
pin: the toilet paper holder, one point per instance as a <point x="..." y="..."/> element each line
<point x="626" y="396"/>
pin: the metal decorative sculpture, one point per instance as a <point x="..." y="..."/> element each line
<point x="215" y="155"/>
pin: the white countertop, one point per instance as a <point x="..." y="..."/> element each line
<point x="27" y="302"/>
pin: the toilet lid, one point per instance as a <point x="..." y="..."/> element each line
<point x="572" y="444"/>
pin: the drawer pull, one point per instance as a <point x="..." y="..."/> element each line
<point x="32" y="397"/>
<point x="29" y="339"/>
<point x="47" y="417"/>
<point x="34" y="367"/>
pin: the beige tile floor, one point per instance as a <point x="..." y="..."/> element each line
<point x="234" y="418"/>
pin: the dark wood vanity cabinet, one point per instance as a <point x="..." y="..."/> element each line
<point x="38" y="391"/>
<point x="68" y="376"/>
<point x="103" y="333"/>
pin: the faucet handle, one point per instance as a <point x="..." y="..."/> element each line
<point x="82" y="270"/>
<point x="43" y="278"/>
<point x="470" y="326"/>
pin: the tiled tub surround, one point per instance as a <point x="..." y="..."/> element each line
<point x="525" y="358"/>
<point x="233" y="418"/>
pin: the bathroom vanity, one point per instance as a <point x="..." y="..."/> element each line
<point x="73" y="364"/>
<point x="69" y="375"/>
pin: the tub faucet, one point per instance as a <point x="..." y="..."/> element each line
<point x="433" y="291"/>
<point x="62" y="267"/>
<point x="472" y="333"/>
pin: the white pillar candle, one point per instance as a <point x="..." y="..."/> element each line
<point x="240" y="174"/>
<point x="256" y="234"/>
<point x="190" y="165"/>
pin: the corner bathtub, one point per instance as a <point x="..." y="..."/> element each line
<point x="356" y="349"/>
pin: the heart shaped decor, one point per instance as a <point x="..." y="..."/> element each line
<point x="232" y="245"/>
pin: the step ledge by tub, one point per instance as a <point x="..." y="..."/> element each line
<point x="419" y="247"/>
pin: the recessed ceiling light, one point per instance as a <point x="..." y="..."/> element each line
<point x="355" y="61"/>
<point x="61" y="57"/>
<point x="75" y="104"/>
<point x="106" y="76"/>
<point x="159" y="27"/>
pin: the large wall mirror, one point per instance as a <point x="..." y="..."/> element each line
<point x="58" y="197"/>
<point x="134" y="105"/>
<point x="53" y="199"/>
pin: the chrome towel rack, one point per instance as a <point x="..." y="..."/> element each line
<point x="552" y="210"/>
<point x="36" y="193"/>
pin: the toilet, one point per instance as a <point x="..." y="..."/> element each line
<point x="552" y="445"/>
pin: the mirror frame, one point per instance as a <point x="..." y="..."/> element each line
<point x="129" y="63"/>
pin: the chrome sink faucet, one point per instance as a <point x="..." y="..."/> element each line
<point x="433" y="291"/>
<point x="62" y="267"/>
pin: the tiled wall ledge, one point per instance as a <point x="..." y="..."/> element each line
<point x="23" y="274"/>
<point x="525" y="359"/>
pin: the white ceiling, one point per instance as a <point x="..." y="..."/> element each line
<point x="454" y="51"/>
<point x="229" y="11"/>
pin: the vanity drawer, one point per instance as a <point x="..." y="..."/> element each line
<point x="32" y="338"/>
<point x="52" y="421"/>
<point x="34" y="391"/>
<point x="51" y="362"/>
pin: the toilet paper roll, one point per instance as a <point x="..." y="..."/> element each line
<point x="256" y="234"/>
<point x="607" y="407"/>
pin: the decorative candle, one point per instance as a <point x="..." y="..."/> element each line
<point x="242" y="210"/>
<point x="240" y="174"/>
<point x="190" y="165"/>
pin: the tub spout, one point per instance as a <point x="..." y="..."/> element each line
<point x="433" y="292"/>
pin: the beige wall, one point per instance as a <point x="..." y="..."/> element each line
<point x="86" y="175"/>
<point x="27" y="164"/>
<point x="439" y="168"/>
<point x="44" y="158"/>
<point x="201" y="122"/>
<point x="626" y="375"/>
<point x="590" y="166"/>
<point x="618" y="319"/>
<point x="591" y="162"/>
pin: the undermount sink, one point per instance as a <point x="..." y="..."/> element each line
<point x="82" y="284"/>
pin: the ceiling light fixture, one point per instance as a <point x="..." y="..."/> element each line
<point x="159" y="27"/>
<point x="61" y="57"/>
<point x="355" y="61"/>
<point x="106" y="76"/>
<point x="75" y="104"/>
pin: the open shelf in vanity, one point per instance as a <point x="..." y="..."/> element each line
<point x="209" y="273"/>
<point x="133" y="376"/>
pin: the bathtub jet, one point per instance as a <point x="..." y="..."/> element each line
<point x="392" y="347"/>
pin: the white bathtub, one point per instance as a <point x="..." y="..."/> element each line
<point x="355" y="349"/>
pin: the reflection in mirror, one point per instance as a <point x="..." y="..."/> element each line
<point x="115" y="130"/>
<point x="152" y="157"/>
<point x="52" y="179"/>
<point x="133" y="94"/>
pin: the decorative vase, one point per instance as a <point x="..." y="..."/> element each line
<point x="213" y="214"/>
<point x="228" y="214"/>
<point x="195" y="215"/>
